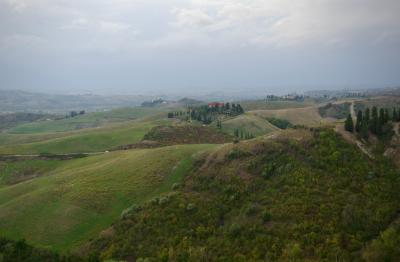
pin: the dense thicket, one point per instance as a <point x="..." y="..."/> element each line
<point x="314" y="197"/>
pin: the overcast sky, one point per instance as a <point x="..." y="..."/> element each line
<point x="139" y="46"/>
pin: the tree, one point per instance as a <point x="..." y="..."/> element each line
<point x="367" y="115"/>
<point x="359" y="121"/>
<point x="348" y="124"/>
<point x="236" y="132"/>
<point x="170" y="115"/>
<point x="394" y="115"/>
<point x="364" y="130"/>
<point x="373" y="127"/>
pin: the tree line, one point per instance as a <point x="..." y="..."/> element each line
<point x="207" y="114"/>
<point x="240" y="134"/>
<point x="377" y="121"/>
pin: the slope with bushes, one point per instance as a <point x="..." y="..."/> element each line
<point x="300" y="196"/>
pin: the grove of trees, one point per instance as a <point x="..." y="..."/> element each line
<point x="377" y="121"/>
<point x="207" y="114"/>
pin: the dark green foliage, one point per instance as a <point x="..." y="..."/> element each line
<point x="339" y="111"/>
<point x="323" y="200"/>
<point x="359" y="121"/>
<point x="373" y="125"/>
<point x="380" y="123"/>
<point x="243" y="135"/>
<point x="280" y="123"/>
<point x="348" y="124"/>
<point x="207" y="114"/>
<point x="385" y="247"/>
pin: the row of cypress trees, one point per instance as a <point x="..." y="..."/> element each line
<point x="377" y="121"/>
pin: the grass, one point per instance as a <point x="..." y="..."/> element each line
<point x="77" y="199"/>
<point x="385" y="102"/>
<point x="270" y="105"/>
<point x="17" y="171"/>
<point x="307" y="116"/>
<point x="249" y="123"/>
<point x="88" y="120"/>
<point x="92" y="140"/>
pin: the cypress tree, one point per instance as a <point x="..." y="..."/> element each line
<point x="386" y="116"/>
<point x="348" y="124"/>
<point x="394" y="115"/>
<point x="381" y="116"/>
<point x="367" y="115"/>
<point x="364" y="130"/>
<point x="374" y="120"/>
<point x="236" y="132"/>
<point x="398" y="115"/>
<point x="359" y="121"/>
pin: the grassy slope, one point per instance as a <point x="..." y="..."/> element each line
<point x="308" y="116"/>
<point x="270" y="105"/>
<point x="91" y="140"/>
<point x="249" y="123"/>
<point x="79" y="198"/>
<point x="299" y="197"/>
<point x="86" y="121"/>
<point x="384" y="101"/>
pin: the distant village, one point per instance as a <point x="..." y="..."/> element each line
<point x="316" y="94"/>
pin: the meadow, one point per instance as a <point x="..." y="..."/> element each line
<point x="74" y="200"/>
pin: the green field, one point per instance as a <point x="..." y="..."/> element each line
<point x="91" y="140"/>
<point x="88" y="120"/>
<point x="270" y="105"/>
<point x="74" y="200"/>
<point x="308" y="116"/>
<point x="253" y="124"/>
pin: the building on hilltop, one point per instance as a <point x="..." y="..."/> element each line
<point x="215" y="105"/>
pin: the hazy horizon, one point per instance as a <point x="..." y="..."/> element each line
<point x="198" y="46"/>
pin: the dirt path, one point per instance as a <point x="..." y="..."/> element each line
<point x="396" y="129"/>
<point x="339" y="128"/>
<point x="353" y="112"/>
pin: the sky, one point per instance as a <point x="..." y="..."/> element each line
<point x="149" y="46"/>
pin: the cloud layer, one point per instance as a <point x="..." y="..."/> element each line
<point x="198" y="43"/>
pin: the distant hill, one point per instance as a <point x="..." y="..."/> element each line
<point x="21" y="101"/>
<point x="9" y="120"/>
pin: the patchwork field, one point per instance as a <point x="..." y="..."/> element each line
<point x="73" y="200"/>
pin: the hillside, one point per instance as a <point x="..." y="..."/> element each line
<point x="248" y="123"/>
<point x="67" y="202"/>
<point x="308" y="116"/>
<point x="306" y="196"/>
<point x="19" y="101"/>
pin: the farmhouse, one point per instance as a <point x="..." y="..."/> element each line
<point x="215" y="105"/>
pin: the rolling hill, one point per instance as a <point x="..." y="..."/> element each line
<point x="70" y="201"/>
<point x="300" y="196"/>
<point x="249" y="123"/>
